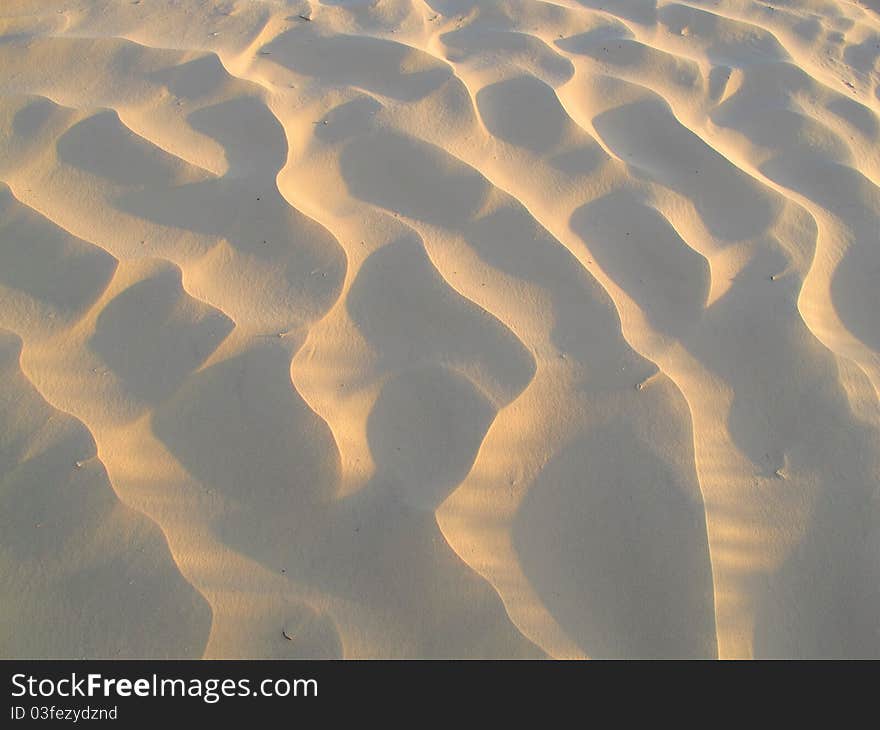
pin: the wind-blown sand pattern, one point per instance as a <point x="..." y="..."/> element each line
<point x="439" y="328"/>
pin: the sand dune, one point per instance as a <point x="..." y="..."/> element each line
<point x="455" y="328"/>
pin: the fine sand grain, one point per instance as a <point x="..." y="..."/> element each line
<point x="439" y="328"/>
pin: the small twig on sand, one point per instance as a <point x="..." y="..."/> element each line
<point x="642" y="383"/>
<point x="286" y="635"/>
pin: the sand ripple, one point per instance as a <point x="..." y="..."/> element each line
<point x="464" y="328"/>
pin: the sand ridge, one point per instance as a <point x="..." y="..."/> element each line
<point x="468" y="328"/>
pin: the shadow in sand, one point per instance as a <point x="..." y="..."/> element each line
<point x="526" y="112"/>
<point x="638" y="248"/>
<point x="617" y="550"/>
<point x="47" y="265"/>
<point x="824" y="602"/>
<point x="377" y="65"/>
<point x="647" y="135"/>
<point x="414" y="178"/>
<point x="154" y="334"/>
<point x="242" y="429"/>
<point x="103" y="146"/>
<point x="73" y="543"/>
<point x="411" y="316"/>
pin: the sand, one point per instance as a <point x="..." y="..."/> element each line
<point x="455" y="328"/>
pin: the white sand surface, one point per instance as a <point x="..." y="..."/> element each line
<point x="439" y="328"/>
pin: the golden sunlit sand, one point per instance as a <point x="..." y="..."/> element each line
<point x="439" y="328"/>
